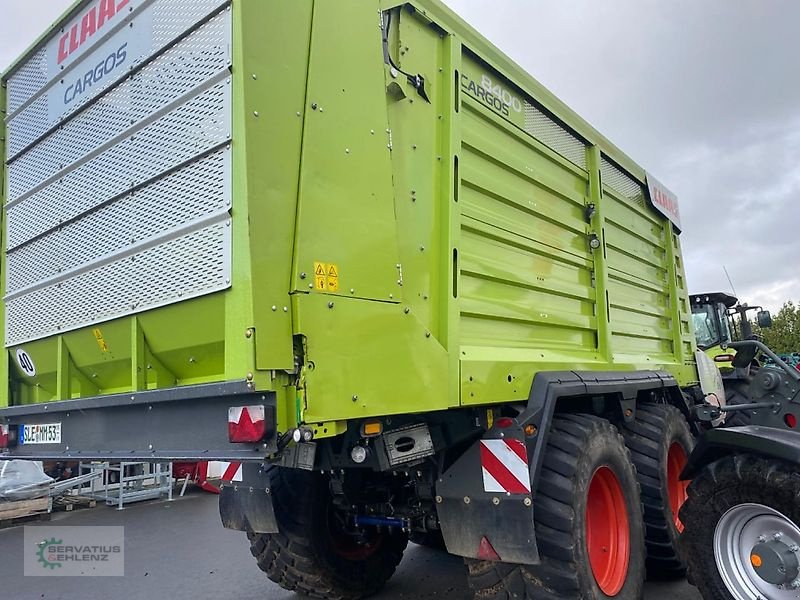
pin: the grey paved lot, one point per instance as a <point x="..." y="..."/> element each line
<point x="180" y="550"/>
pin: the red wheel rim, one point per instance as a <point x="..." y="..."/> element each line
<point x="608" y="532"/>
<point x="346" y="546"/>
<point x="676" y="461"/>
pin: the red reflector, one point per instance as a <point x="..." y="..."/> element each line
<point x="246" y="423"/>
<point x="504" y="422"/>
<point x="790" y="420"/>
<point x="486" y="551"/>
<point x="724" y="358"/>
<point x="4" y="436"/>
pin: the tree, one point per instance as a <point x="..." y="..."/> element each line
<point x="784" y="335"/>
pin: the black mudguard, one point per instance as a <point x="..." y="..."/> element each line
<point x="470" y="516"/>
<point x="247" y="505"/>
<point x="768" y="442"/>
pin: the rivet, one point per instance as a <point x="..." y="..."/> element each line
<point x="255" y="76"/>
<point x="249" y="377"/>
<point x="495" y="500"/>
<point x="255" y="113"/>
<point x="527" y="502"/>
<point x="150" y="447"/>
<point x="406" y="310"/>
<point x="439" y="500"/>
<point x="467" y="500"/>
<point x="285" y="309"/>
<point x="330" y="304"/>
<point x="248" y="333"/>
<point x="303" y="275"/>
<point x="427" y="334"/>
<point x="274" y="308"/>
<point x="314" y="106"/>
<point x="355" y="397"/>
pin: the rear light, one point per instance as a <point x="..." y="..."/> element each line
<point x="504" y="423"/>
<point x="371" y="428"/>
<point x="4" y="435"/>
<point x="247" y="423"/>
<point x="790" y="420"/>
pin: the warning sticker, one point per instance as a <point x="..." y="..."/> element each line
<point x="505" y="466"/>
<point x="320" y="276"/>
<point x="326" y="277"/>
<point x="98" y="335"/>
<point x="332" y="278"/>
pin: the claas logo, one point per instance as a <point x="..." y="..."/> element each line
<point x="93" y="21"/>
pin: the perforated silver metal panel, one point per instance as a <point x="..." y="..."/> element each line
<point x="194" y="193"/>
<point x="190" y="64"/>
<point x="33" y="86"/>
<point x="183" y="268"/>
<point x="554" y="136"/>
<point x="122" y="203"/>
<point x="621" y="182"/>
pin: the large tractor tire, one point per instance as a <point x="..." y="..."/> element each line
<point x="660" y="442"/>
<point x="312" y="555"/>
<point x="742" y="535"/>
<point x="736" y="393"/>
<point x="587" y="518"/>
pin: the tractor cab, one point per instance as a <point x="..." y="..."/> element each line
<point x="715" y="325"/>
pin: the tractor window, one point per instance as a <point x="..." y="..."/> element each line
<point x="706" y="325"/>
<point x="725" y="324"/>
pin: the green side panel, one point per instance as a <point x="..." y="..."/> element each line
<point x="366" y="358"/>
<point x="272" y="46"/>
<point x="346" y="216"/>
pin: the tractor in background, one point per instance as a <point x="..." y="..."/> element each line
<point x="741" y="520"/>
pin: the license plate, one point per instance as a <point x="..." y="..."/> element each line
<point x="43" y="433"/>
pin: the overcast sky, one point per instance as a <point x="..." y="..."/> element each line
<point x="705" y="95"/>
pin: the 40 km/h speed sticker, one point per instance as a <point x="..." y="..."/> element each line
<point x="25" y="363"/>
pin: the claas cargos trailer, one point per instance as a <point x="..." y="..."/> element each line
<point x="354" y="247"/>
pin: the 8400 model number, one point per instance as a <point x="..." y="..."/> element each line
<point x="495" y="96"/>
<point x="44" y="433"/>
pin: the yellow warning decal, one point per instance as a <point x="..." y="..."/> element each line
<point x="326" y="277"/>
<point x="489" y="418"/>
<point x="98" y="335"/>
<point x="333" y="278"/>
<point x="320" y="276"/>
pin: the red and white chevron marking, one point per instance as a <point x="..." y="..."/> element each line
<point x="505" y="467"/>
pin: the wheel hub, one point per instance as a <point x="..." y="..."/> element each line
<point x="757" y="551"/>
<point x="775" y="562"/>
